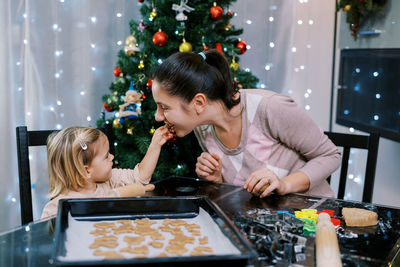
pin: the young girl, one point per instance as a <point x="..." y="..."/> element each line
<point x="80" y="165"/>
<point x="255" y="138"/>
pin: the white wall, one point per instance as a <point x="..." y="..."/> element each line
<point x="387" y="182"/>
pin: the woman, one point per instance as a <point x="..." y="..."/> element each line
<point x="255" y="138"/>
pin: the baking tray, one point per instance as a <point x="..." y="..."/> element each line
<point x="96" y="209"/>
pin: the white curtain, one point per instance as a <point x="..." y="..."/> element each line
<point x="58" y="77"/>
<point x="12" y="105"/>
<point x="56" y="61"/>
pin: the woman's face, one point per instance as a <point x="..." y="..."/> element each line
<point x="174" y="111"/>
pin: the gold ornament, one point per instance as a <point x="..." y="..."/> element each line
<point x="130" y="40"/>
<point x="152" y="130"/>
<point x="130" y="50"/>
<point x="130" y="130"/>
<point x="234" y="66"/>
<point x="116" y="123"/>
<point x="346" y="8"/>
<point x="228" y="27"/>
<point x="185" y="47"/>
<point x="114" y="99"/>
<point x="153" y="14"/>
<point x="141" y="65"/>
<point x="131" y="46"/>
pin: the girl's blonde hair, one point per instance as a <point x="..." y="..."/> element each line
<point x="68" y="152"/>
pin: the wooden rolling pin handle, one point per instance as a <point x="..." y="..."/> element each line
<point x="327" y="246"/>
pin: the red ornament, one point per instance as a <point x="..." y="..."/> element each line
<point x="140" y="1"/>
<point x="107" y="107"/>
<point x="218" y="46"/>
<point x="230" y="14"/>
<point x="149" y="84"/>
<point x="242" y="47"/>
<point x="160" y="38"/>
<point x="144" y="97"/>
<point x="117" y="71"/>
<point x="216" y="12"/>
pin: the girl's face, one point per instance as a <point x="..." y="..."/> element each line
<point x="174" y="111"/>
<point x="99" y="169"/>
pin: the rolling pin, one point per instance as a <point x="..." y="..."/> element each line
<point x="328" y="253"/>
<point x="132" y="190"/>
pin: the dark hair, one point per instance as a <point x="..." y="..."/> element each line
<point x="186" y="74"/>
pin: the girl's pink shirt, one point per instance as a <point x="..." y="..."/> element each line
<point x="119" y="177"/>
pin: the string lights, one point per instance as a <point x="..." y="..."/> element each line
<point x="52" y="110"/>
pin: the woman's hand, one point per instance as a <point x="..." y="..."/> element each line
<point x="263" y="182"/>
<point x="209" y="167"/>
<point x="161" y="136"/>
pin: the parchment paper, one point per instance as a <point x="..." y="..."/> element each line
<point x="78" y="239"/>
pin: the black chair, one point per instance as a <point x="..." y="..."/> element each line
<point x="25" y="139"/>
<point x="348" y="141"/>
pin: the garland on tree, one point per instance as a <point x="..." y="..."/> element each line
<point x="166" y="27"/>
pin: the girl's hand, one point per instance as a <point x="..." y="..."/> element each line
<point x="263" y="182"/>
<point x="161" y="136"/>
<point x="209" y="167"/>
<point x="132" y="190"/>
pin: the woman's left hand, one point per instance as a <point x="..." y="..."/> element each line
<point x="264" y="178"/>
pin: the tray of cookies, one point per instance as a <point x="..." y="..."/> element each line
<point x="147" y="231"/>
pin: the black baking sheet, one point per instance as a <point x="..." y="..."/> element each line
<point x="153" y="208"/>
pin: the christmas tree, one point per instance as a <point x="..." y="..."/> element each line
<point x="166" y="27"/>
